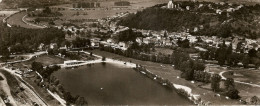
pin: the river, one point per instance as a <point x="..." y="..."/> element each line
<point x="112" y="84"/>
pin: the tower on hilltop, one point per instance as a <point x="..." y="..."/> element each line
<point x="170" y="4"/>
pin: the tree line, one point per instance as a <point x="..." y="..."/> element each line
<point x="54" y="85"/>
<point x="22" y="40"/>
<point x="226" y="56"/>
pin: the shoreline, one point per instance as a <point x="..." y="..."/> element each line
<point x="166" y="71"/>
<point x="181" y="89"/>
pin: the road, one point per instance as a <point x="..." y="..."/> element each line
<point x="224" y="78"/>
<point x="16" y="19"/>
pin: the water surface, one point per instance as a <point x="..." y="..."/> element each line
<point x="111" y="84"/>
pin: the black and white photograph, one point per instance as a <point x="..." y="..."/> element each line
<point x="129" y="52"/>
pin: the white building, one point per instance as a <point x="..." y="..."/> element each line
<point x="53" y="45"/>
<point x="72" y="62"/>
<point x="218" y="11"/>
<point x="170" y="4"/>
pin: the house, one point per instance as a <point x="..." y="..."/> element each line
<point x="110" y="40"/>
<point x="167" y="42"/>
<point x="23" y="9"/>
<point x="72" y="62"/>
<point x="201" y="5"/>
<point x="230" y="10"/>
<point x="94" y="44"/>
<point x="218" y="11"/>
<point x="192" y="39"/>
<point x="170" y="4"/>
<point x="188" y="8"/>
<point x="146" y="40"/>
<point x="64" y="48"/>
<point x="53" y="46"/>
<point x="41" y="46"/>
<point x="139" y="40"/>
<point x="122" y="44"/>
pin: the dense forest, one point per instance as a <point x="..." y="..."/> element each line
<point x="22" y="40"/>
<point x="242" y="22"/>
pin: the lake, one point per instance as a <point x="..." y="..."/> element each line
<point x="112" y="84"/>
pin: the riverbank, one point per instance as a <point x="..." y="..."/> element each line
<point x="116" y="84"/>
<point x="166" y="71"/>
<point x="184" y="90"/>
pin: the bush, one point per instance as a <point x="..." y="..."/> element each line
<point x="233" y="93"/>
<point x="1" y="78"/>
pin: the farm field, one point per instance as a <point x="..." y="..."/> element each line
<point x="107" y="10"/>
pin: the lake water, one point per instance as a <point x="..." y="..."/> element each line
<point x="112" y="84"/>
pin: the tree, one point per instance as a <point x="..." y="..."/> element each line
<point x="229" y="82"/>
<point x="215" y="80"/>
<point x="233" y="93"/>
<point x="103" y="58"/>
<point x="252" y="53"/>
<point x="81" y="101"/>
<point x="91" y="54"/>
<point x="221" y="55"/>
<point x="56" y="82"/>
<point x="189" y="74"/>
<point x="47" y="10"/>
<point x="51" y="23"/>
<point x="69" y="32"/>
<point x="245" y="61"/>
<point x="255" y="100"/>
<point x="50" y="52"/>
<point x="185" y="43"/>
<point x="239" y="46"/>
<point x="165" y="34"/>
<point x="68" y="97"/>
<point x="37" y="66"/>
<point x="5" y="52"/>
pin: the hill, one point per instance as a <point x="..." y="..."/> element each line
<point x="199" y="20"/>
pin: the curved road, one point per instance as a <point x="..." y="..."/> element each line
<point x="224" y="78"/>
<point x="16" y="19"/>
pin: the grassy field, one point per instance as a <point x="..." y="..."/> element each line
<point x="163" y="51"/>
<point x="44" y="59"/>
<point x="249" y="76"/>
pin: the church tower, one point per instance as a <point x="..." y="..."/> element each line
<point x="170" y="4"/>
